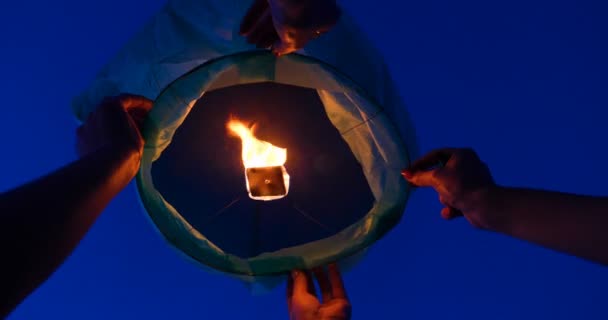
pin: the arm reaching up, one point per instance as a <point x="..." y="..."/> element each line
<point x="574" y="224"/>
<point x="43" y="221"/>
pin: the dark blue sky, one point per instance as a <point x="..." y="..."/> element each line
<point x="523" y="82"/>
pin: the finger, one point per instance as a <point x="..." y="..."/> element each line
<point x="424" y="178"/>
<point x="464" y="155"/>
<point x="324" y="284"/>
<point x="431" y="160"/>
<point x="449" y="213"/>
<point x="455" y="213"/>
<point x="131" y="101"/>
<point x="138" y="116"/>
<point x="252" y="16"/>
<point x="337" y="287"/>
<point x="137" y="107"/>
<point x="302" y="283"/>
<point x="281" y="48"/>
<point x="445" y="212"/>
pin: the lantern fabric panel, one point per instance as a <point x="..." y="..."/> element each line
<point x="192" y="47"/>
<point x="187" y="33"/>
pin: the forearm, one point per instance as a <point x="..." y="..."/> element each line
<point x="570" y="223"/>
<point x="43" y="221"/>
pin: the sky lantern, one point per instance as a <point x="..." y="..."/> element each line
<point x="255" y="165"/>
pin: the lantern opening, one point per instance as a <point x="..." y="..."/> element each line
<point x="266" y="178"/>
<point x="345" y="190"/>
<point x="201" y="173"/>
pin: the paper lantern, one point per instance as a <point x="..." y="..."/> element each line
<point x="330" y="114"/>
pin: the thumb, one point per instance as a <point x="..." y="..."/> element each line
<point x="421" y="178"/>
<point x="281" y="48"/>
<point x="301" y="283"/>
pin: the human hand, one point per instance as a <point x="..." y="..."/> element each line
<point x="288" y="25"/>
<point x="115" y="123"/>
<point x="463" y="182"/>
<point x="303" y="303"/>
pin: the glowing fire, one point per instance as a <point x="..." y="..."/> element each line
<point x="265" y="156"/>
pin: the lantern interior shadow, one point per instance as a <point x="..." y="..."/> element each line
<point x="201" y="172"/>
<point x="344" y="155"/>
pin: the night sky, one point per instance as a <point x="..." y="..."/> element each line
<point x="522" y="82"/>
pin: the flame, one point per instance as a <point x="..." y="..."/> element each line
<point x="257" y="153"/>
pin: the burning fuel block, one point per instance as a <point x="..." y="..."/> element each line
<point x="266" y="182"/>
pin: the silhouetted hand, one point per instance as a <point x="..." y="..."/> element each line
<point x="288" y="25"/>
<point x="115" y="123"/>
<point x="302" y="300"/>
<point x="461" y="179"/>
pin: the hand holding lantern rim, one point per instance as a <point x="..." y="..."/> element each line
<point x="461" y="180"/>
<point x="302" y="300"/>
<point x="570" y="223"/>
<point x="116" y="122"/>
<point x="288" y="25"/>
<point x="44" y="220"/>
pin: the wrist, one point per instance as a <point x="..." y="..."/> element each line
<point x="125" y="159"/>
<point x="487" y="208"/>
